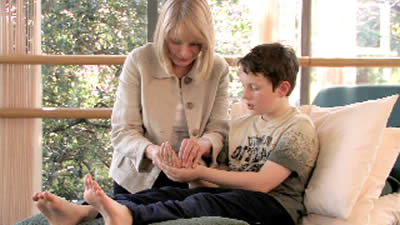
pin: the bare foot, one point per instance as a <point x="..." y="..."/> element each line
<point x="59" y="211"/>
<point x="113" y="213"/>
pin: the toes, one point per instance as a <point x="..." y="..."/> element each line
<point x="41" y="195"/>
<point x="51" y="197"/>
<point x="92" y="185"/>
<point x="97" y="188"/>
<point x="87" y="182"/>
<point x="35" y="197"/>
<point x="88" y="177"/>
<point x="47" y="196"/>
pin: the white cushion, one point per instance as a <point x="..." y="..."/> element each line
<point x="315" y="219"/>
<point x="364" y="211"/>
<point x="386" y="210"/>
<point x="349" y="138"/>
<point x="385" y="160"/>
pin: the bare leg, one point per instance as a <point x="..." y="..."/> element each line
<point x="113" y="212"/>
<point x="59" y="211"/>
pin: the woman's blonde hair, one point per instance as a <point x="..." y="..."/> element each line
<point x="191" y="20"/>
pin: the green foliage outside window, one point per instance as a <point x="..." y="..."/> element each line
<point x="369" y="35"/>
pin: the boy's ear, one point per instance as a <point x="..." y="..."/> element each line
<point x="284" y="88"/>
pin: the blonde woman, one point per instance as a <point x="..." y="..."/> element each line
<point x="174" y="90"/>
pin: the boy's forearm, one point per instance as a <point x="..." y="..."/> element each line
<point x="231" y="179"/>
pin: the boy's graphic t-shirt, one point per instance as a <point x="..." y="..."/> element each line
<point x="290" y="140"/>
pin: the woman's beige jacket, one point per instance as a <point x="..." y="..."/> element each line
<point x="144" y="113"/>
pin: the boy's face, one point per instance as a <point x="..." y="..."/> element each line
<point x="258" y="93"/>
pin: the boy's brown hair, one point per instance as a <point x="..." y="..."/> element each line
<point x="275" y="61"/>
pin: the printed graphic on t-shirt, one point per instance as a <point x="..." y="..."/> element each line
<point x="251" y="157"/>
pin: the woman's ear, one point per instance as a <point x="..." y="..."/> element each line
<point x="284" y="88"/>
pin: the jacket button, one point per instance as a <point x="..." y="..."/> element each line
<point x="189" y="105"/>
<point x="195" y="133"/>
<point x="187" y="80"/>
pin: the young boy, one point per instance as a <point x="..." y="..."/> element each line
<point x="271" y="156"/>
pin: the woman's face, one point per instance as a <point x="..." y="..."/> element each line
<point x="181" y="51"/>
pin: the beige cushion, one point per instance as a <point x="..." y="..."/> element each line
<point x="368" y="206"/>
<point x="349" y="139"/>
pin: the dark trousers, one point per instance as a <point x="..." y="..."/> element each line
<point x="168" y="203"/>
<point x="161" y="181"/>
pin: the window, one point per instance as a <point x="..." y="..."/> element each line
<point x="364" y="28"/>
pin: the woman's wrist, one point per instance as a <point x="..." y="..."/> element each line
<point x="149" y="151"/>
<point x="205" y="146"/>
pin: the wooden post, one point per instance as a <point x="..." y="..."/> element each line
<point x="20" y="139"/>
<point x="305" y="72"/>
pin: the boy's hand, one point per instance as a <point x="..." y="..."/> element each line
<point x="183" y="175"/>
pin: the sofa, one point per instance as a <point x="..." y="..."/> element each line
<point x="355" y="180"/>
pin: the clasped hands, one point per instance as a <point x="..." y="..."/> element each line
<point x="181" y="167"/>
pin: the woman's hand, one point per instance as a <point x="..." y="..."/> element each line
<point x="192" y="150"/>
<point x="163" y="154"/>
<point x="165" y="158"/>
<point x="168" y="156"/>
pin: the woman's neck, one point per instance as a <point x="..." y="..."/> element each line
<point x="181" y="71"/>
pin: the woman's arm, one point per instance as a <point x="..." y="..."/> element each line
<point x="216" y="128"/>
<point x="126" y="121"/>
